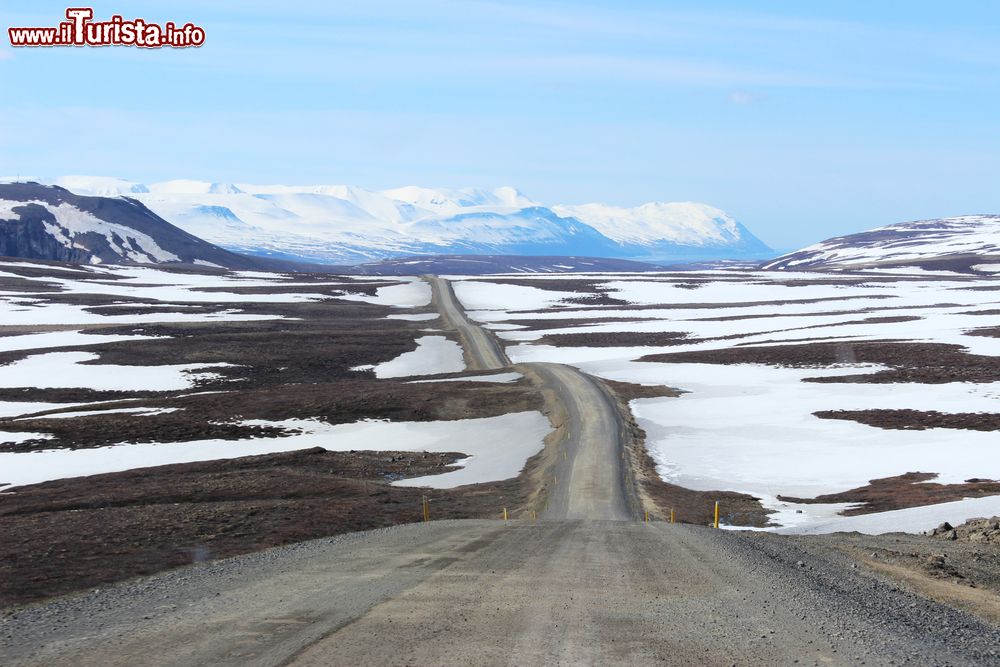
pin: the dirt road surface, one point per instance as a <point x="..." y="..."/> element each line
<point x="515" y="593"/>
<point x="587" y="480"/>
<point x="482" y="351"/>
<point x="574" y="589"/>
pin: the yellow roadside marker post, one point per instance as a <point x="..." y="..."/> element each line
<point x="504" y="513"/>
<point x="647" y="516"/>
<point x="671" y="515"/>
<point x="716" y="513"/>
<point x="534" y="515"/>
<point x="427" y="509"/>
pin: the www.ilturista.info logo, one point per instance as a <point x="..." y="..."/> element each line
<point x="81" y="30"/>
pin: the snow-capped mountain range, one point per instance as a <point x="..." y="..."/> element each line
<point x="964" y="243"/>
<point x="342" y="224"/>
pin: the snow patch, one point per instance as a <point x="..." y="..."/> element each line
<point x="434" y="354"/>
<point x="58" y="370"/>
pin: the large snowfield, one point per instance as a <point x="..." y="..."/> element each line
<point x="750" y="427"/>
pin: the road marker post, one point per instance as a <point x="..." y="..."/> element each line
<point x="671" y="515"/>
<point x="647" y="516"/>
<point x="716" y="524"/>
<point x="534" y="515"/>
<point x="427" y="509"/>
<point x="504" y="513"/>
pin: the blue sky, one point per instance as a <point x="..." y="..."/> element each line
<point x="802" y="119"/>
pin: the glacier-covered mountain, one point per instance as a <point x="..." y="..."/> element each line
<point x="962" y="243"/>
<point x="342" y="224"/>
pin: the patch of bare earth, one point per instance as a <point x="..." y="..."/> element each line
<point x="615" y="339"/>
<point x="569" y="322"/>
<point x="912" y="489"/>
<point x="991" y="332"/>
<point x="715" y="305"/>
<point x="917" y="420"/>
<point x="72" y="534"/>
<point x="930" y="363"/>
<point x="578" y="285"/>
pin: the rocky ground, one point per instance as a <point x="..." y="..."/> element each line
<point x="957" y="565"/>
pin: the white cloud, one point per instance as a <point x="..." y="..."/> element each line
<point x="744" y="98"/>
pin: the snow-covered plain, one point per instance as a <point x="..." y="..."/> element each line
<point x="750" y="427"/>
<point x="496" y="448"/>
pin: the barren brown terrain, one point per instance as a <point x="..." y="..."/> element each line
<point x="73" y="534"/>
<point x="931" y="363"/>
<point x="910" y="490"/>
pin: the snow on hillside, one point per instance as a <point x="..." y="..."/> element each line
<point x="49" y="222"/>
<point x="348" y="224"/>
<point x="924" y="242"/>
<point x="69" y="222"/>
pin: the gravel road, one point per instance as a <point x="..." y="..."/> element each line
<point x="587" y="479"/>
<point x="588" y="475"/>
<point x="515" y="593"/>
<point x="482" y="351"/>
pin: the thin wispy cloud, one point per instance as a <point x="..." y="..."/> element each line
<point x="743" y="98"/>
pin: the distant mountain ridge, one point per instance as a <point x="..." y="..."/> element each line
<point x="969" y="243"/>
<point x="342" y="224"/>
<point x="51" y="223"/>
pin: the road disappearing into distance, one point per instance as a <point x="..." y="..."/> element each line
<point x="587" y="583"/>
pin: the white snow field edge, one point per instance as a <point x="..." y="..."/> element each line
<point x="750" y="428"/>
<point x="496" y="447"/>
